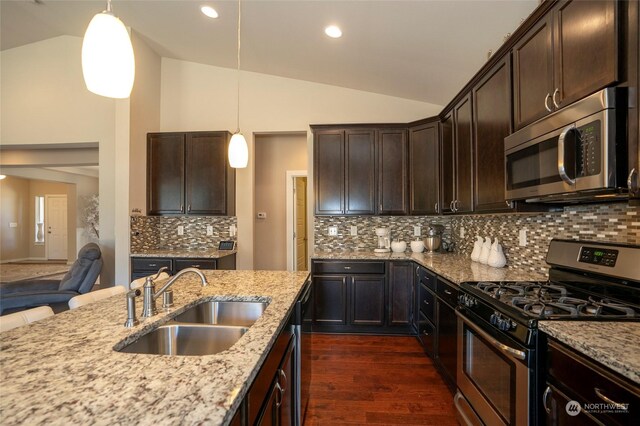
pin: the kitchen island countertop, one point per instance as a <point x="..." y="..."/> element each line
<point x="64" y="369"/>
<point x="612" y="344"/>
<point x="454" y="267"/>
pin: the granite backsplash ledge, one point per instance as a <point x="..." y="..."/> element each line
<point x="161" y="232"/>
<point x="611" y="222"/>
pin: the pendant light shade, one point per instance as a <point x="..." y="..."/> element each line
<point x="108" y="64"/>
<point x="238" y="151"/>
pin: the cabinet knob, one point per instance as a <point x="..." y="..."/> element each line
<point x="553" y="98"/>
<point x="546" y="102"/>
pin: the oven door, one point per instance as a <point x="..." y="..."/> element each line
<point x="574" y="157"/>
<point x="493" y="375"/>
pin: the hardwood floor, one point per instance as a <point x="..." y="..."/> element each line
<point x="375" y="380"/>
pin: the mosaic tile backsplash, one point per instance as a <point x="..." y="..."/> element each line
<point x="161" y="232"/>
<point x="615" y="222"/>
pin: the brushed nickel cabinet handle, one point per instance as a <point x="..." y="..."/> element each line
<point x="281" y="393"/>
<point x="546" y="103"/>
<point x="632" y="184"/>
<point x="435" y="207"/>
<point x="545" y="397"/>
<point x="553" y="98"/>
<point x="606" y="399"/>
<point x="283" y="376"/>
<point x="347" y="267"/>
<point x="451" y="206"/>
<point x="448" y="292"/>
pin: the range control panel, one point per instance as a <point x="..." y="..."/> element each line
<point x="598" y="256"/>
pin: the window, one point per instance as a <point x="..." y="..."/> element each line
<point x="39" y="219"/>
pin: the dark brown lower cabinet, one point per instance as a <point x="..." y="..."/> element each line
<point x="279" y="407"/>
<point x="602" y="396"/>
<point x="362" y="296"/>
<point x="367" y="300"/>
<point x="447" y="349"/>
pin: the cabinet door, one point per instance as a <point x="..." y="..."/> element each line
<point x="328" y="172"/>
<point x="447" y="352"/>
<point x="206" y="173"/>
<point x="556" y="413"/>
<point x="492" y="123"/>
<point x="585" y="48"/>
<point x="424" y="169"/>
<point x="287" y="381"/>
<point x="165" y="173"/>
<point x="448" y="165"/>
<point x="392" y="171"/>
<point x="367" y="300"/>
<point x="269" y="415"/>
<point x="463" y="154"/>
<point x="400" y="293"/>
<point x="330" y="300"/>
<point x="360" y="176"/>
<point x="533" y="74"/>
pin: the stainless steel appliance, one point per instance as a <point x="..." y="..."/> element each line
<point x="576" y="153"/>
<point x="433" y="239"/>
<point x="498" y="341"/>
<point x="302" y="322"/>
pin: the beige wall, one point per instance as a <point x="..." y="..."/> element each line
<point x="14" y="207"/>
<point x="275" y="154"/>
<point x="203" y="97"/>
<point x="42" y="188"/>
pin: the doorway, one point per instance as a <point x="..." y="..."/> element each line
<point x="56" y="225"/>
<point x="297" y="237"/>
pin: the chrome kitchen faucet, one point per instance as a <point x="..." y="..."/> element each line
<point x="149" y="295"/>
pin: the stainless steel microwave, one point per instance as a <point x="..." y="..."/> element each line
<point x="577" y="153"/>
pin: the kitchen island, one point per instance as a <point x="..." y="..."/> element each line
<point x="64" y="370"/>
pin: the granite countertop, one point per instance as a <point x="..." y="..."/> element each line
<point x="186" y="253"/>
<point x="613" y="344"/>
<point x="454" y="267"/>
<point x="64" y="370"/>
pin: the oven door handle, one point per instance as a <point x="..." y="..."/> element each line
<point x="507" y="350"/>
<point x="562" y="170"/>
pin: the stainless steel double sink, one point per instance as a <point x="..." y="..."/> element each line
<point x="207" y="328"/>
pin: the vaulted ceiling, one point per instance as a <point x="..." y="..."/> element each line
<point x="424" y="50"/>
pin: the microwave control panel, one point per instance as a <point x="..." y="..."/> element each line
<point x="588" y="149"/>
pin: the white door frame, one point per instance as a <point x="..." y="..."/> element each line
<point x="46" y="223"/>
<point x="291" y="249"/>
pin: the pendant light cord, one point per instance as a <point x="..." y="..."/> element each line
<point x="238" y="73"/>
<point x="109" y="6"/>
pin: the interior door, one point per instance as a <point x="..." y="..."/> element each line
<point x="300" y="217"/>
<point x="56" y="217"/>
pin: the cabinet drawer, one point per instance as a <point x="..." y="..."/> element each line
<point x="427" y="334"/>
<point x="448" y="293"/>
<point x="591" y="383"/>
<point x="320" y="267"/>
<point x="427" y="278"/>
<point x="427" y="302"/>
<point x="196" y="263"/>
<point x="150" y="264"/>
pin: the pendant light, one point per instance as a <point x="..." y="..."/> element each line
<point x="108" y="64"/>
<point x="238" y="150"/>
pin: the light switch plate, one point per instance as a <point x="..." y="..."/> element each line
<point x="462" y="232"/>
<point x="180" y="230"/>
<point x="333" y="231"/>
<point x="522" y="237"/>
<point x="209" y="230"/>
<point x="354" y="231"/>
<point x="262" y="215"/>
<point x="233" y="230"/>
<point x="13" y="224"/>
<point x="417" y="231"/>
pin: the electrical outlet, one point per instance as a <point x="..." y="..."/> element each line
<point x="462" y="232"/>
<point x="354" y="231"/>
<point x="13" y="224"/>
<point x="209" y="230"/>
<point x="417" y="231"/>
<point x="233" y="230"/>
<point x="522" y="237"/>
<point x="180" y="230"/>
<point x="262" y="215"/>
<point x="333" y="231"/>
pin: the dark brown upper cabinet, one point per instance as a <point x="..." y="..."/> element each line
<point x="570" y="53"/>
<point x="360" y="171"/>
<point x="463" y="135"/>
<point x="448" y="166"/>
<point x="392" y="171"/>
<point x="188" y="173"/>
<point x="424" y="169"/>
<point x="492" y="123"/>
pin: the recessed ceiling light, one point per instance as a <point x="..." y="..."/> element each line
<point x="209" y="11"/>
<point x="333" y="31"/>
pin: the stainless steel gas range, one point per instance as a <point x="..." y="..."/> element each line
<point x="499" y="347"/>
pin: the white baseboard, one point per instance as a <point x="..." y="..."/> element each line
<point x="31" y="259"/>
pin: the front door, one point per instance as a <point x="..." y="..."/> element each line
<point x="300" y="218"/>
<point x="56" y="217"/>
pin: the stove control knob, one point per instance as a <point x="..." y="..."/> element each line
<point x="493" y="319"/>
<point x="504" y="325"/>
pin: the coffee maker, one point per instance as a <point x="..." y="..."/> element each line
<point x="384" y="240"/>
